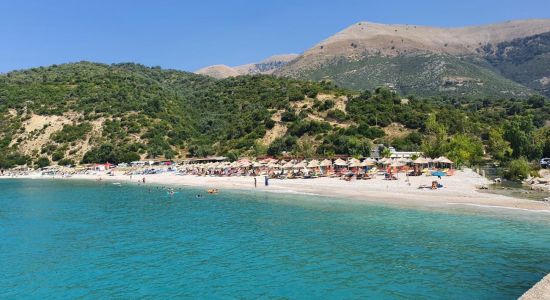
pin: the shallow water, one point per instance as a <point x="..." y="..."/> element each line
<point x="98" y="240"/>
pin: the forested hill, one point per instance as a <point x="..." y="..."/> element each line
<point x="95" y="112"/>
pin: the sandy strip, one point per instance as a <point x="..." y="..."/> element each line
<point x="460" y="189"/>
<point x="540" y="291"/>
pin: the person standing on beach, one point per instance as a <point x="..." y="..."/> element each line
<point x="255" y="182"/>
<point x="266" y="180"/>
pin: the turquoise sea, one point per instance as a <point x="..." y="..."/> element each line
<point x="91" y="240"/>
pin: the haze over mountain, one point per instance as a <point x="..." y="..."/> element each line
<point x="266" y="66"/>
<point x="505" y="59"/>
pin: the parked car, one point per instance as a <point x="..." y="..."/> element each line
<point x="545" y="163"/>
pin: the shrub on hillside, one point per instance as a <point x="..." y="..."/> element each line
<point x="518" y="169"/>
<point x="42" y="162"/>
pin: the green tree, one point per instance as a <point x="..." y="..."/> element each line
<point x="465" y="150"/>
<point x="497" y="146"/>
<point x="385" y="152"/>
<point x="518" y="169"/>
<point x="542" y="141"/>
<point x="42" y="162"/>
<point x="519" y="132"/>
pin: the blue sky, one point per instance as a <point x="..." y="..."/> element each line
<point x="187" y="35"/>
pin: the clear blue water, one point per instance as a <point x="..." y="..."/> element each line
<point x="97" y="240"/>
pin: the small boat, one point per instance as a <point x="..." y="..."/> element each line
<point x="212" y="191"/>
<point x="116" y="183"/>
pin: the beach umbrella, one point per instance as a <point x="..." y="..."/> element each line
<point x="245" y="164"/>
<point x="396" y="164"/>
<point x="371" y="161"/>
<point x="313" y="164"/>
<point x="274" y="166"/>
<point x="288" y="165"/>
<point x="443" y="160"/>
<point x="356" y="164"/>
<point x="300" y="165"/>
<point x="385" y="161"/>
<point x="326" y="163"/>
<point x="368" y="163"/>
<point x="403" y="160"/>
<point x="421" y="161"/>
<point x="354" y="161"/>
<point x="340" y="162"/>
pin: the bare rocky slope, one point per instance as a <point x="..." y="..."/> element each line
<point x="510" y="59"/>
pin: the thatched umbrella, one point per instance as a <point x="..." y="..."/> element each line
<point x="354" y="161"/>
<point x="273" y="165"/>
<point x="313" y="164"/>
<point x="326" y="163"/>
<point x="288" y="165"/>
<point x="368" y="163"/>
<point x="356" y="164"/>
<point x="300" y="165"/>
<point x="396" y="164"/>
<point x="385" y="161"/>
<point x="443" y="160"/>
<point x="404" y="160"/>
<point x="370" y="159"/>
<point x="245" y="164"/>
<point x="340" y="162"/>
<point x="421" y="161"/>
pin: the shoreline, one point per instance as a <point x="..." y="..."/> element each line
<point x="539" y="291"/>
<point x="460" y="190"/>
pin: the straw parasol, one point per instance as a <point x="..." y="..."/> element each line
<point x="404" y="160"/>
<point x="326" y="163"/>
<point x="273" y="165"/>
<point x="288" y="165"/>
<point x="384" y="161"/>
<point x="421" y="161"/>
<point x="340" y="162"/>
<point x="300" y="165"/>
<point x="443" y="160"/>
<point x="396" y="163"/>
<point x="368" y="163"/>
<point x="245" y="164"/>
<point x="313" y="164"/>
<point x="356" y="164"/>
<point x="354" y="160"/>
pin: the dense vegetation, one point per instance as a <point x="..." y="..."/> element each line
<point x="421" y="74"/>
<point x="148" y="112"/>
<point x="525" y="60"/>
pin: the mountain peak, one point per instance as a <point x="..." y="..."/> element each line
<point x="266" y="66"/>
